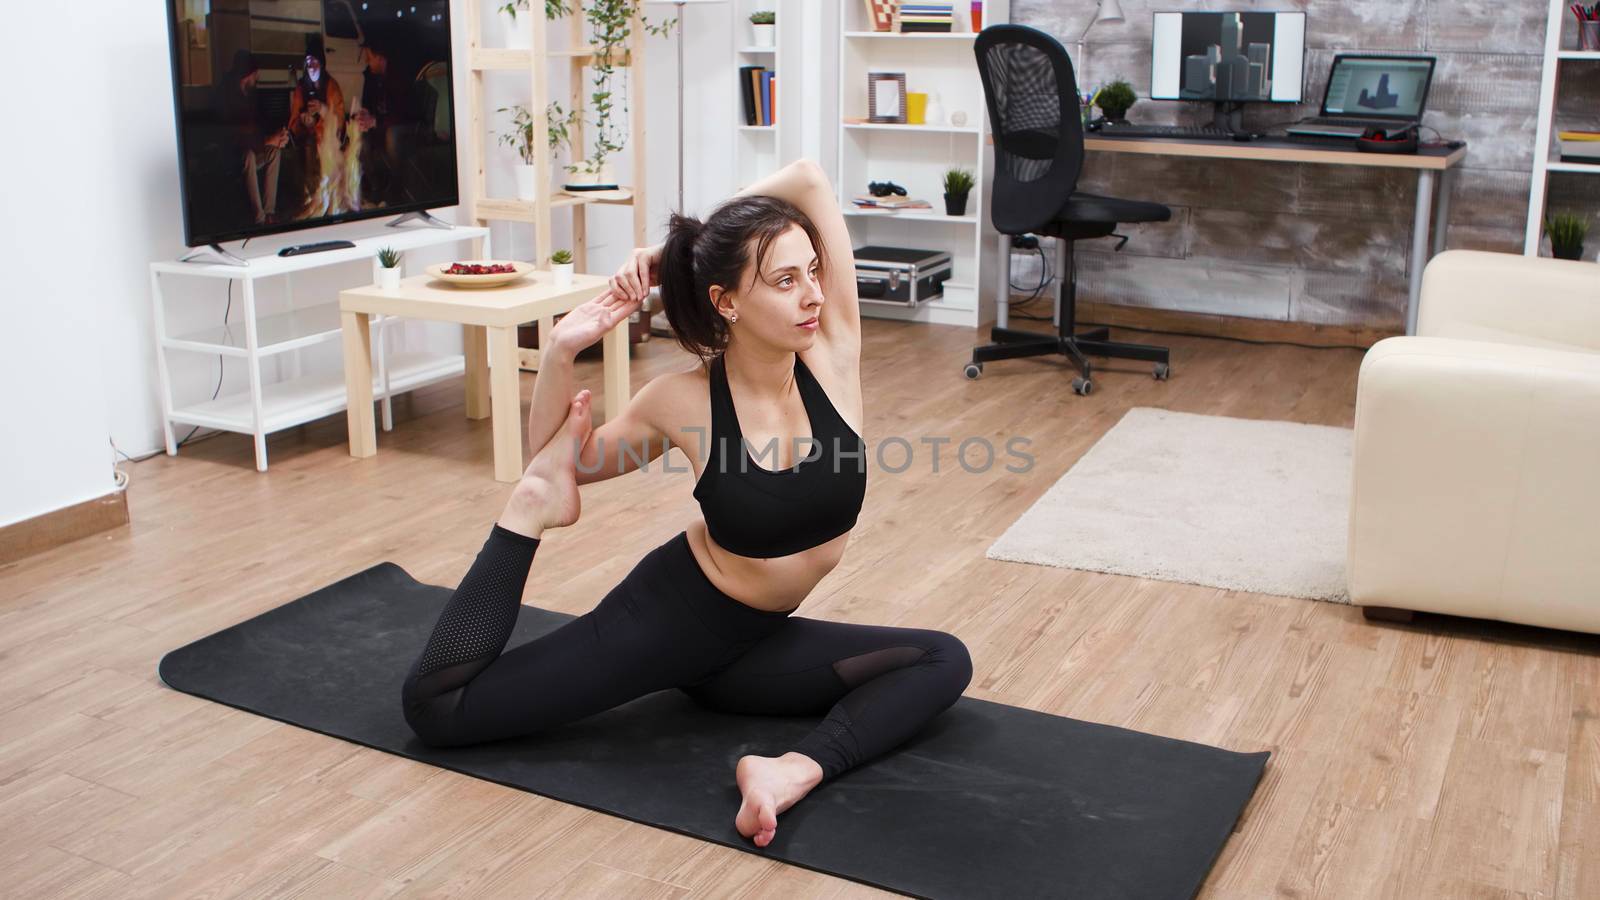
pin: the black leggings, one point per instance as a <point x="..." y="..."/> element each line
<point x="667" y="626"/>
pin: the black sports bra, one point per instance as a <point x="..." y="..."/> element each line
<point x="761" y="513"/>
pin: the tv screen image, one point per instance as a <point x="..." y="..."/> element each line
<point x="300" y="113"/>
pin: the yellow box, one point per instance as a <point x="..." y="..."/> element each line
<point x="916" y="108"/>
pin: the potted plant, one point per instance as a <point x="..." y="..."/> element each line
<point x="557" y="132"/>
<point x="610" y="24"/>
<point x="561" y="265"/>
<point x="521" y="38"/>
<point x="762" y="23"/>
<point x="389" y="269"/>
<point x="1567" y="231"/>
<point x="1115" y="99"/>
<point x="957" y="184"/>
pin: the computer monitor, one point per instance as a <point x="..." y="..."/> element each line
<point x="1228" y="58"/>
<point x="1378" y="87"/>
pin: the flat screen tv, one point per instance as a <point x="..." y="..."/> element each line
<point x="298" y="113"/>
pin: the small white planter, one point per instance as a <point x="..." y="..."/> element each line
<point x="526" y="185"/>
<point x="516" y="34"/>
<point x="562" y="273"/>
<point x="763" y="34"/>
<point x="388" y="279"/>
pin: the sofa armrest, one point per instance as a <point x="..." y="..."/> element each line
<point x="1513" y="299"/>
<point x="1476" y="481"/>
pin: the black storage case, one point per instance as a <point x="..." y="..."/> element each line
<point x="900" y="276"/>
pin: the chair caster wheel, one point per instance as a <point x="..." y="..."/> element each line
<point x="1082" y="386"/>
<point x="973" y="370"/>
<point x="1162" y="371"/>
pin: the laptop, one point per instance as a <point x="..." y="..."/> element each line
<point x="1370" y="91"/>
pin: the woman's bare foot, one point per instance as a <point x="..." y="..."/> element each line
<point x="547" y="495"/>
<point x="770" y="785"/>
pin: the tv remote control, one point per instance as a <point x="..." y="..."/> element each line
<point x="317" y="247"/>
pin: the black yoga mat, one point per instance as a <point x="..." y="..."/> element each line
<point x="987" y="801"/>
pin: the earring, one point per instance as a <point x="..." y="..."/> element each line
<point x="734" y="318"/>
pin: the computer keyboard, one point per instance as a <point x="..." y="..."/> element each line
<point x="1204" y="132"/>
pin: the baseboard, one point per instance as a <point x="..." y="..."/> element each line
<point x="1210" y="325"/>
<point x="40" y="533"/>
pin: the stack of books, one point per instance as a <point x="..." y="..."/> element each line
<point x="891" y="203"/>
<point x="926" y="17"/>
<point x="1580" y="146"/>
<point x="757" y="85"/>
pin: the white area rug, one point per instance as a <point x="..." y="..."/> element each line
<point x="1229" y="503"/>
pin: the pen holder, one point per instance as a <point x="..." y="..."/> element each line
<point x="1589" y="35"/>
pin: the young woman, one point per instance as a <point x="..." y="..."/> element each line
<point x="764" y="293"/>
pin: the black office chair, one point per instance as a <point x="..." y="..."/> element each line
<point x="1038" y="149"/>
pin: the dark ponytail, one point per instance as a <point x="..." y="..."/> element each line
<point x="697" y="255"/>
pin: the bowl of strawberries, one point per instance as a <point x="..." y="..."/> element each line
<point x="480" y="272"/>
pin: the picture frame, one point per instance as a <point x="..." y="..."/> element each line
<point x="886" y="97"/>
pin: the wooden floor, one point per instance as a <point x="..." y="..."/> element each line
<point x="1448" y="758"/>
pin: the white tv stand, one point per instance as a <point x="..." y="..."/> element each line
<point x="266" y="408"/>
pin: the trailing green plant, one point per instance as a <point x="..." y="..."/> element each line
<point x="609" y="21"/>
<point x="389" y="258"/>
<point x="553" y="9"/>
<point x="957" y="181"/>
<point x="1116" y="98"/>
<point x="1567" y="231"/>
<point x="763" y="17"/>
<point x="561" y="257"/>
<point x="558" y="124"/>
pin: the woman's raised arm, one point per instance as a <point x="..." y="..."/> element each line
<point x="805" y="184"/>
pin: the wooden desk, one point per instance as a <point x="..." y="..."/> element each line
<point x="1433" y="200"/>
<point x="489" y="318"/>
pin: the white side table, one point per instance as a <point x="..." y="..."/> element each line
<point x="266" y="408"/>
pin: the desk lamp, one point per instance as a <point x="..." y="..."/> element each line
<point x="1109" y="12"/>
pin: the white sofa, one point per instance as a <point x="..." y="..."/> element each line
<point x="1476" y="485"/>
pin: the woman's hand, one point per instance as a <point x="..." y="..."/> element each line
<point x="590" y="320"/>
<point x="637" y="273"/>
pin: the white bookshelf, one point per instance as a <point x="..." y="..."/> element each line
<point x="916" y="156"/>
<point x="760" y="150"/>
<point x="1561" y="39"/>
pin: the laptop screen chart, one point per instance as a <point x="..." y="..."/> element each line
<point x="1378" y="87"/>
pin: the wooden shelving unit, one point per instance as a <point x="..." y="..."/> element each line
<point x="535" y="62"/>
<point x="1561" y="29"/>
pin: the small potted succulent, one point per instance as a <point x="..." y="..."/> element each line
<point x="561" y="266"/>
<point x="762" y="23"/>
<point x="1115" y="99"/>
<point x="389" y="269"/>
<point x="957" y="184"/>
<point x="1566" y="231"/>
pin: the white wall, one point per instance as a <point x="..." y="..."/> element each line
<point x="63" y="264"/>
<point x="91" y="197"/>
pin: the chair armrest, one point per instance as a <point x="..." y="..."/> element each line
<point x="1512" y="299"/>
<point x="1476" y="483"/>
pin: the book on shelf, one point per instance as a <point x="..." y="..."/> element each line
<point x="758" y="86"/>
<point x="868" y="201"/>
<point x="1578" y="135"/>
<point x="926" y="17"/>
<point x="746" y="95"/>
